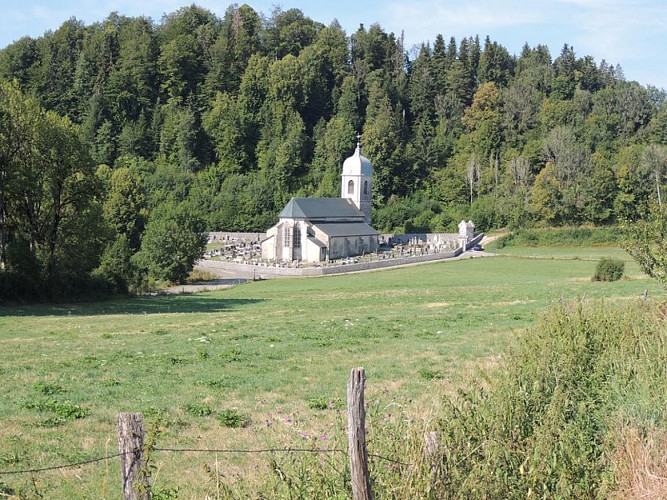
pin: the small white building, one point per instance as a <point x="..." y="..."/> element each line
<point x="320" y="229"/>
<point x="467" y="230"/>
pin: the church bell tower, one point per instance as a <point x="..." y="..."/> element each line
<point x="356" y="181"/>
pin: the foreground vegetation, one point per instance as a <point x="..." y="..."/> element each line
<point x="274" y="355"/>
<point x="576" y="409"/>
<point x="579" y="403"/>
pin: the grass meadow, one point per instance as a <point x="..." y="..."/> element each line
<point x="275" y="353"/>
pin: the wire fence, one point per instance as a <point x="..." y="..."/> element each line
<point x="193" y="450"/>
<point x="133" y="453"/>
<point x="58" y="467"/>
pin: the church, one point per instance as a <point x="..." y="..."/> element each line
<point x="322" y="229"/>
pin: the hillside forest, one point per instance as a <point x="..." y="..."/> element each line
<point x="121" y="142"/>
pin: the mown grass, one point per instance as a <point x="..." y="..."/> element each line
<point x="263" y="351"/>
<point x="585" y="253"/>
<point x="578" y="243"/>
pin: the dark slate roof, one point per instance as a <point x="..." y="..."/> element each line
<point x="320" y="208"/>
<point x="316" y="241"/>
<point x="357" y="164"/>
<point x="333" y="229"/>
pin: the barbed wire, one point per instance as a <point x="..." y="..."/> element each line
<point x="194" y="450"/>
<point x="387" y="459"/>
<point x="261" y="450"/>
<point x="276" y="450"/>
<point x="65" y="466"/>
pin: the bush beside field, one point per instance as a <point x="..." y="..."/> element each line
<point x="556" y="421"/>
<point x="609" y="270"/>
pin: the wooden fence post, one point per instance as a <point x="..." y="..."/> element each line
<point x="132" y="463"/>
<point x="356" y="431"/>
<point x="432" y="454"/>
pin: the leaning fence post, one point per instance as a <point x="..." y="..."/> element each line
<point x="432" y="453"/>
<point x="132" y="463"/>
<point x="356" y="431"/>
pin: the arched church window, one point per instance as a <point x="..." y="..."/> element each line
<point x="288" y="236"/>
<point x="350" y="187"/>
<point x="365" y="187"/>
<point x="297" y="236"/>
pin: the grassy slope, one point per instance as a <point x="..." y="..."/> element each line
<point x="265" y="348"/>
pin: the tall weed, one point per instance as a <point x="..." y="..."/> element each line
<point x="545" y="425"/>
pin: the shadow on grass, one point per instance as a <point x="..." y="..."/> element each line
<point x="158" y="304"/>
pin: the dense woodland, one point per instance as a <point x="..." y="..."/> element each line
<point x="121" y="141"/>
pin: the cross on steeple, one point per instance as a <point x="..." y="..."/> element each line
<point x="358" y="141"/>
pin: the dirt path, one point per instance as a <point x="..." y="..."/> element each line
<point x="204" y="286"/>
<point x="490" y="238"/>
<point x="225" y="279"/>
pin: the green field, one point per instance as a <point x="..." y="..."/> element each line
<point x="574" y="253"/>
<point x="272" y="350"/>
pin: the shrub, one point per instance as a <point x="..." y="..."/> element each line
<point x="324" y="403"/>
<point x="232" y="418"/>
<point x="48" y="389"/>
<point x="198" y="410"/>
<point x="609" y="270"/>
<point x="65" y="410"/>
<point x="232" y="354"/>
<point x="646" y="241"/>
<point x="547" y="421"/>
<point x="197" y="275"/>
<point x="430" y="374"/>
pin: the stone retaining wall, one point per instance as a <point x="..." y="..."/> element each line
<point x="396" y="238"/>
<point x="404" y="239"/>
<point x="224" y="236"/>
<point x="268" y="272"/>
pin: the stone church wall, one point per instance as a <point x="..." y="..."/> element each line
<point x="350" y="246"/>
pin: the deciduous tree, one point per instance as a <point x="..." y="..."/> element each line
<point x="646" y="241"/>
<point x="174" y="240"/>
